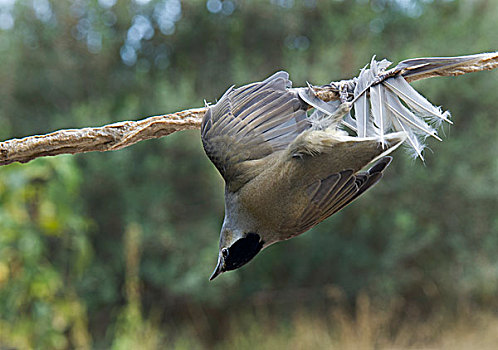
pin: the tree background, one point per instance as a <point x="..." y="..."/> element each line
<point x="114" y="249"/>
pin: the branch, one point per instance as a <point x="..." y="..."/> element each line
<point x="463" y="65"/>
<point x="105" y="138"/>
<point x="123" y="134"/>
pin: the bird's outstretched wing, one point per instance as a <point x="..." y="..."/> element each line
<point x="250" y="123"/>
<point x="331" y="194"/>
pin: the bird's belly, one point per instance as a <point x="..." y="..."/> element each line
<point x="274" y="199"/>
<point x="277" y="197"/>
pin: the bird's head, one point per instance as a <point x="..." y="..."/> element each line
<point x="236" y="250"/>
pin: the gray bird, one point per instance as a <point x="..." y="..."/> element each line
<point x="284" y="171"/>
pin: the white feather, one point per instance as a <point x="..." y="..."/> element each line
<point x="412" y="139"/>
<point x="361" y="110"/>
<point x="401" y="112"/>
<point x="378" y="109"/>
<point x="392" y="105"/>
<point x="412" y="98"/>
<point x="350" y="123"/>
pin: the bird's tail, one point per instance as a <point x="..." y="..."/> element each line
<point x="384" y="102"/>
<point x="391" y="104"/>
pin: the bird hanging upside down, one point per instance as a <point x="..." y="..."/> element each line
<point x="287" y="170"/>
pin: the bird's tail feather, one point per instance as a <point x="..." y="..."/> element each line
<point x="395" y="106"/>
<point x="385" y="104"/>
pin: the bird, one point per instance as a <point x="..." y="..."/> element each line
<point x="282" y="174"/>
<point x="286" y="169"/>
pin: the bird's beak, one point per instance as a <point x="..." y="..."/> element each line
<point x="218" y="270"/>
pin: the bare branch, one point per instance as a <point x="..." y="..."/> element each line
<point x="105" y="138"/>
<point x="123" y="134"/>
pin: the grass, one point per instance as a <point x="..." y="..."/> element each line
<point x="370" y="328"/>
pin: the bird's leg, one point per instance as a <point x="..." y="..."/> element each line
<point x="343" y="92"/>
<point x="325" y="133"/>
<point x="338" y="115"/>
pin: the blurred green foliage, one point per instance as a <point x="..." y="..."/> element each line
<point x="114" y="249"/>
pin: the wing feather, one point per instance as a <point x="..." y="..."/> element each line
<point x="416" y="101"/>
<point x="361" y="106"/>
<point x="250" y="123"/>
<point x="329" y="195"/>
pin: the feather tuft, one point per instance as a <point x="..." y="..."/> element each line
<point x="382" y="103"/>
<point x="394" y="106"/>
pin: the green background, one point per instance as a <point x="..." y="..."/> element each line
<point x="114" y="249"/>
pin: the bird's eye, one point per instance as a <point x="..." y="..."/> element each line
<point x="224" y="252"/>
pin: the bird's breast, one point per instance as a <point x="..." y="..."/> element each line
<point x="276" y="196"/>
